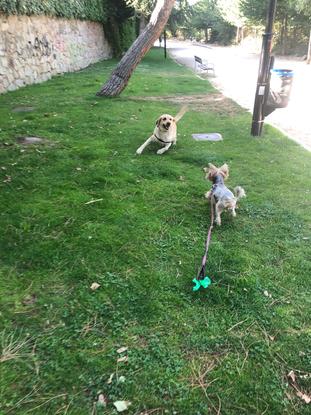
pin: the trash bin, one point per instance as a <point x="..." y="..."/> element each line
<point x="280" y="87"/>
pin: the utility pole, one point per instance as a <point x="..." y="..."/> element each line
<point x="265" y="64"/>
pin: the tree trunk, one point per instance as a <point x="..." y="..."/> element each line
<point x="284" y="36"/>
<point x="121" y="75"/>
<point x="142" y="23"/>
<point x="309" y="51"/>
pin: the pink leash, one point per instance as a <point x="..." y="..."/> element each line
<point x="201" y="273"/>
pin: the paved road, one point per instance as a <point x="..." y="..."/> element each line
<point x="236" y="76"/>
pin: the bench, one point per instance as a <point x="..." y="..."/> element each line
<point x="203" y="66"/>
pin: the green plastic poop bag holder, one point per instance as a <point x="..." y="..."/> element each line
<point x="202" y="280"/>
<point x="205" y="282"/>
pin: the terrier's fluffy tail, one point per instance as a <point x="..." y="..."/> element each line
<point x="181" y="113"/>
<point x="239" y="192"/>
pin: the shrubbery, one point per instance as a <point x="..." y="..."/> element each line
<point x="95" y="10"/>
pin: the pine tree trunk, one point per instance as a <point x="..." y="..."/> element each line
<point x="121" y="75"/>
<point x="284" y="34"/>
<point x="309" y="50"/>
<point x="142" y="23"/>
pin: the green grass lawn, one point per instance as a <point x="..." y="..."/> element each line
<point x="225" y="350"/>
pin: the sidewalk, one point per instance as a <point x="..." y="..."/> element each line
<point x="236" y="77"/>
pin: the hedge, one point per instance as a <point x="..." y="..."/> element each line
<point x="96" y="10"/>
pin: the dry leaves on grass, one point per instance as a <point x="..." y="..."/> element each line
<point x="121" y="405"/>
<point x="94" y="286"/>
<point x="102" y="400"/>
<point x="292" y="381"/>
<point x="7" y="179"/>
<point x="29" y="299"/>
<point x="122" y="349"/>
<point x="109" y="381"/>
<point x="123" y="359"/>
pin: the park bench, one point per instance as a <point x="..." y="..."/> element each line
<point x="203" y="66"/>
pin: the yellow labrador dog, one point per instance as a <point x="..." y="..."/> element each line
<point x="165" y="132"/>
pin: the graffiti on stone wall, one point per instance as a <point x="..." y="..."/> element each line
<point x="39" y="47"/>
<point x="43" y="46"/>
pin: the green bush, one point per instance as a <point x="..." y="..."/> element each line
<point x="127" y="34"/>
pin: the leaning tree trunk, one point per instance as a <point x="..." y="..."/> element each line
<point x="142" y="23"/>
<point x="309" y="50"/>
<point x="121" y="75"/>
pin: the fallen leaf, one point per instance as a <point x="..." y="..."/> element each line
<point x="102" y="400"/>
<point x="122" y="349"/>
<point x="7" y="179"/>
<point x="121" y="379"/>
<point x="29" y="299"/>
<point x="303" y="396"/>
<point x="122" y="405"/>
<point x="123" y="359"/>
<point x="94" y="286"/>
<point x="291" y="375"/>
<point x="110" y="378"/>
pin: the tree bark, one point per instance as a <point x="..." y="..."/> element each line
<point x="142" y="23"/>
<point x="284" y="36"/>
<point x="121" y="75"/>
<point x="309" y="50"/>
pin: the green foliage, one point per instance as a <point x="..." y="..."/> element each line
<point x="127" y="34"/>
<point x="120" y="26"/>
<point x="142" y="6"/>
<point x="231" y="12"/>
<point x="95" y="10"/>
<point x="180" y="19"/>
<point x="303" y="6"/>
<point x="208" y="18"/>
<point x="226" y="349"/>
<point x="292" y="22"/>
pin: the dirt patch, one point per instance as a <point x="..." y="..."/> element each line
<point x="32" y="140"/>
<point x="23" y="109"/>
<point x="203" y="103"/>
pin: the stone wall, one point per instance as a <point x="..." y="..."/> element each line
<point x="34" y="48"/>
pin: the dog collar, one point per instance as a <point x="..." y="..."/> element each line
<point x="162" y="141"/>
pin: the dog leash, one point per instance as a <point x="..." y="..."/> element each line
<point x="203" y="280"/>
